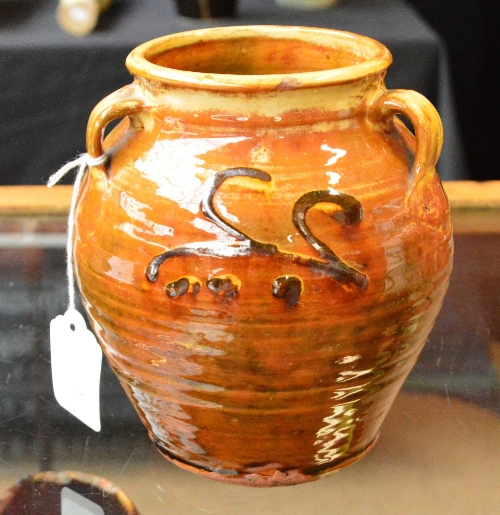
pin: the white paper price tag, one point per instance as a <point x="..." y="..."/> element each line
<point x="73" y="503"/>
<point x="76" y="367"/>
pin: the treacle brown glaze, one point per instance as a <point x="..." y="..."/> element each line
<point x="263" y="256"/>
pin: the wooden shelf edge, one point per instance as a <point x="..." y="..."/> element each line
<point x="40" y="200"/>
<point x="473" y="195"/>
<point x="35" y="200"/>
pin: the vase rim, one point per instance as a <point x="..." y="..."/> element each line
<point x="374" y="59"/>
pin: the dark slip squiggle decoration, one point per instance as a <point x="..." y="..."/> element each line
<point x="330" y="264"/>
<point x="351" y="214"/>
<point x="182" y="286"/>
<point x="289" y="288"/>
<point x="223" y="287"/>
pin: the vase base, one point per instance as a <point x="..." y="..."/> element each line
<point x="268" y="477"/>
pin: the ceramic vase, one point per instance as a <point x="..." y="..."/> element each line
<point x="265" y="252"/>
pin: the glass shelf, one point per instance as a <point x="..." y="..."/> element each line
<point x="439" y="448"/>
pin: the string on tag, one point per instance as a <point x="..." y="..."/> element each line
<point x="76" y="356"/>
<point x="82" y="162"/>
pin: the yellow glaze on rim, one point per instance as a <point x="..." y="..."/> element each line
<point x="374" y="58"/>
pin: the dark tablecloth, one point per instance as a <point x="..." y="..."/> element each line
<point x="50" y="81"/>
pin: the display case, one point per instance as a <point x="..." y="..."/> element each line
<point x="438" y="450"/>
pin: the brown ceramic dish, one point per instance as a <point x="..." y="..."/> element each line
<point x="41" y="494"/>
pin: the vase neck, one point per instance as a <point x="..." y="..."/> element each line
<point x="287" y="105"/>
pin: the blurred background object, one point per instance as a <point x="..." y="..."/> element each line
<point x="80" y="17"/>
<point x="206" y="9"/>
<point x="307" y="4"/>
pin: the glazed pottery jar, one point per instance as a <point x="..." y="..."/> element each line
<point x="266" y="250"/>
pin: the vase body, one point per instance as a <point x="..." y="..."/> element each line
<point x="266" y="250"/>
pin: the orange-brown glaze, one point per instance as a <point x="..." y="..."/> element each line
<point x="221" y="187"/>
